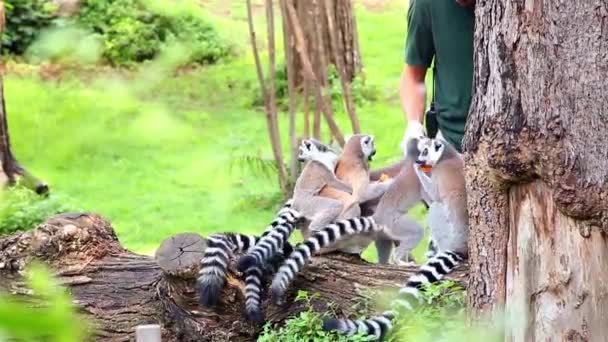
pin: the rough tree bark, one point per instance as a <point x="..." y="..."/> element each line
<point x="118" y="290"/>
<point x="537" y="168"/>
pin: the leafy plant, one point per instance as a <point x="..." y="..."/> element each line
<point x="25" y="19"/>
<point x="131" y="32"/>
<point x="22" y="209"/>
<point x="51" y="320"/>
<point x="307" y="326"/>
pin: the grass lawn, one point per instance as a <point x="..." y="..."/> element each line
<point x="154" y="152"/>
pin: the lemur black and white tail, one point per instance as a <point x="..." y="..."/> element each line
<point x="408" y="297"/>
<point x="214" y="264"/>
<point x="273" y="239"/>
<point x="318" y="240"/>
<point x="253" y="284"/>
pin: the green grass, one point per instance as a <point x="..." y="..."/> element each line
<point x="153" y="151"/>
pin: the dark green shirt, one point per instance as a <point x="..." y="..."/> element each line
<point x="444" y="30"/>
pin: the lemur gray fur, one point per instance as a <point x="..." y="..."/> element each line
<point x="388" y="221"/>
<point x="316" y="174"/>
<point x="449" y="229"/>
<point x="353" y="168"/>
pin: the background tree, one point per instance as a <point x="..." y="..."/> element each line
<point x="537" y="167"/>
<point x="316" y="34"/>
<point x="12" y="171"/>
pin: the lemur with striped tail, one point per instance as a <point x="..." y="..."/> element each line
<point x="317" y="174"/>
<point x="448" y="220"/>
<point x="353" y="168"/>
<point x="389" y="221"/>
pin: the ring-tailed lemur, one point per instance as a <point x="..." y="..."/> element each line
<point x="389" y="221"/>
<point x="353" y="168"/>
<point x="447" y="189"/>
<point x="317" y="173"/>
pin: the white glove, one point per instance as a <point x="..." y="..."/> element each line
<point x="414" y="130"/>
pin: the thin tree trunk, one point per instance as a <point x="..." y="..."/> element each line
<point x="306" y="111"/>
<point x="338" y="50"/>
<point x="537" y="168"/>
<point x="309" y="72"/>
<point x="293" y="144"/>
<point x="272" y="104"/>
<point x="11" y="171"/>
<point x="118" y="290"/>
<point x="269" y="94"/>
<point x="345" y="29"/>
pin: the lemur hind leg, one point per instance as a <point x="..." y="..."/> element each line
<point x="327" y="212"/>
<point x="409" y="234"/>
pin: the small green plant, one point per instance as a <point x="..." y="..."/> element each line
<point x="307" y="326"/>
<point x="25" y="19"/>
<point x="52" y="319"/>
<point x="22" y="209"/>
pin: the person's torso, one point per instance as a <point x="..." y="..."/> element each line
<point x="452" y="27"/>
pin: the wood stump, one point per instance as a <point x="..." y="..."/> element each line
<point x="119" y="290"/>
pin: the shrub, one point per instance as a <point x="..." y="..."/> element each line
<point x="24" y="21"/>
<point x="133" y="33"/>
<point x="22" y="209"/>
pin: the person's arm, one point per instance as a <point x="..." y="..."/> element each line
<point x="419" y="53"/>
<point x="412" y="92"/>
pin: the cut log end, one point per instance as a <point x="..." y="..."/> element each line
<point x="180" y="255"/>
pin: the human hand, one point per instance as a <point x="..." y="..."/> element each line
<point x="414" y="130"/>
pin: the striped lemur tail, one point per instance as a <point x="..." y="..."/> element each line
<point x="214" y="268"/>
<point x="378" y="326"/>
<point x="253" y="284"/>
<point x="318" y="240"/>
<point x="214" y="264"/>
<point x="273" y="239"/>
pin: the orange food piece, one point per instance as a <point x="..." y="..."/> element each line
<point x="383" y="177"/>
<point x="426" y="168"/>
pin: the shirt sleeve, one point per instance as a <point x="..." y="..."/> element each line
<point x="419" y="45"/>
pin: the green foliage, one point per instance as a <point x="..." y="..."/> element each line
<point x="22" y="209"/>
<point x="151" y="151"/>
<point x="65" y="43"/>
<point x="53" y="319"/>
<point x="25" y="19"/>
<point x="131" y="32"/>
<point x="441" y="318"/>
<point x="307" y="326"/>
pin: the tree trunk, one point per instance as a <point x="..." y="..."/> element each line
<point x="345" y="29"/>
<point x="119" y="290"/>
<point x="11" y="171"/>
<point x="537" y="166"/>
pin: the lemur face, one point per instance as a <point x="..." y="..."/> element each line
<point x="310" y="149"/>
<point x="368" y="147"/>
<point x="430" y="151"/>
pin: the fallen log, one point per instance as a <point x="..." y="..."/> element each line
<point x="119" y="290"/>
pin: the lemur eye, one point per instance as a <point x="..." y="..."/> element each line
<point x="437" y="147"/>
<point x="308" y="145"/>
